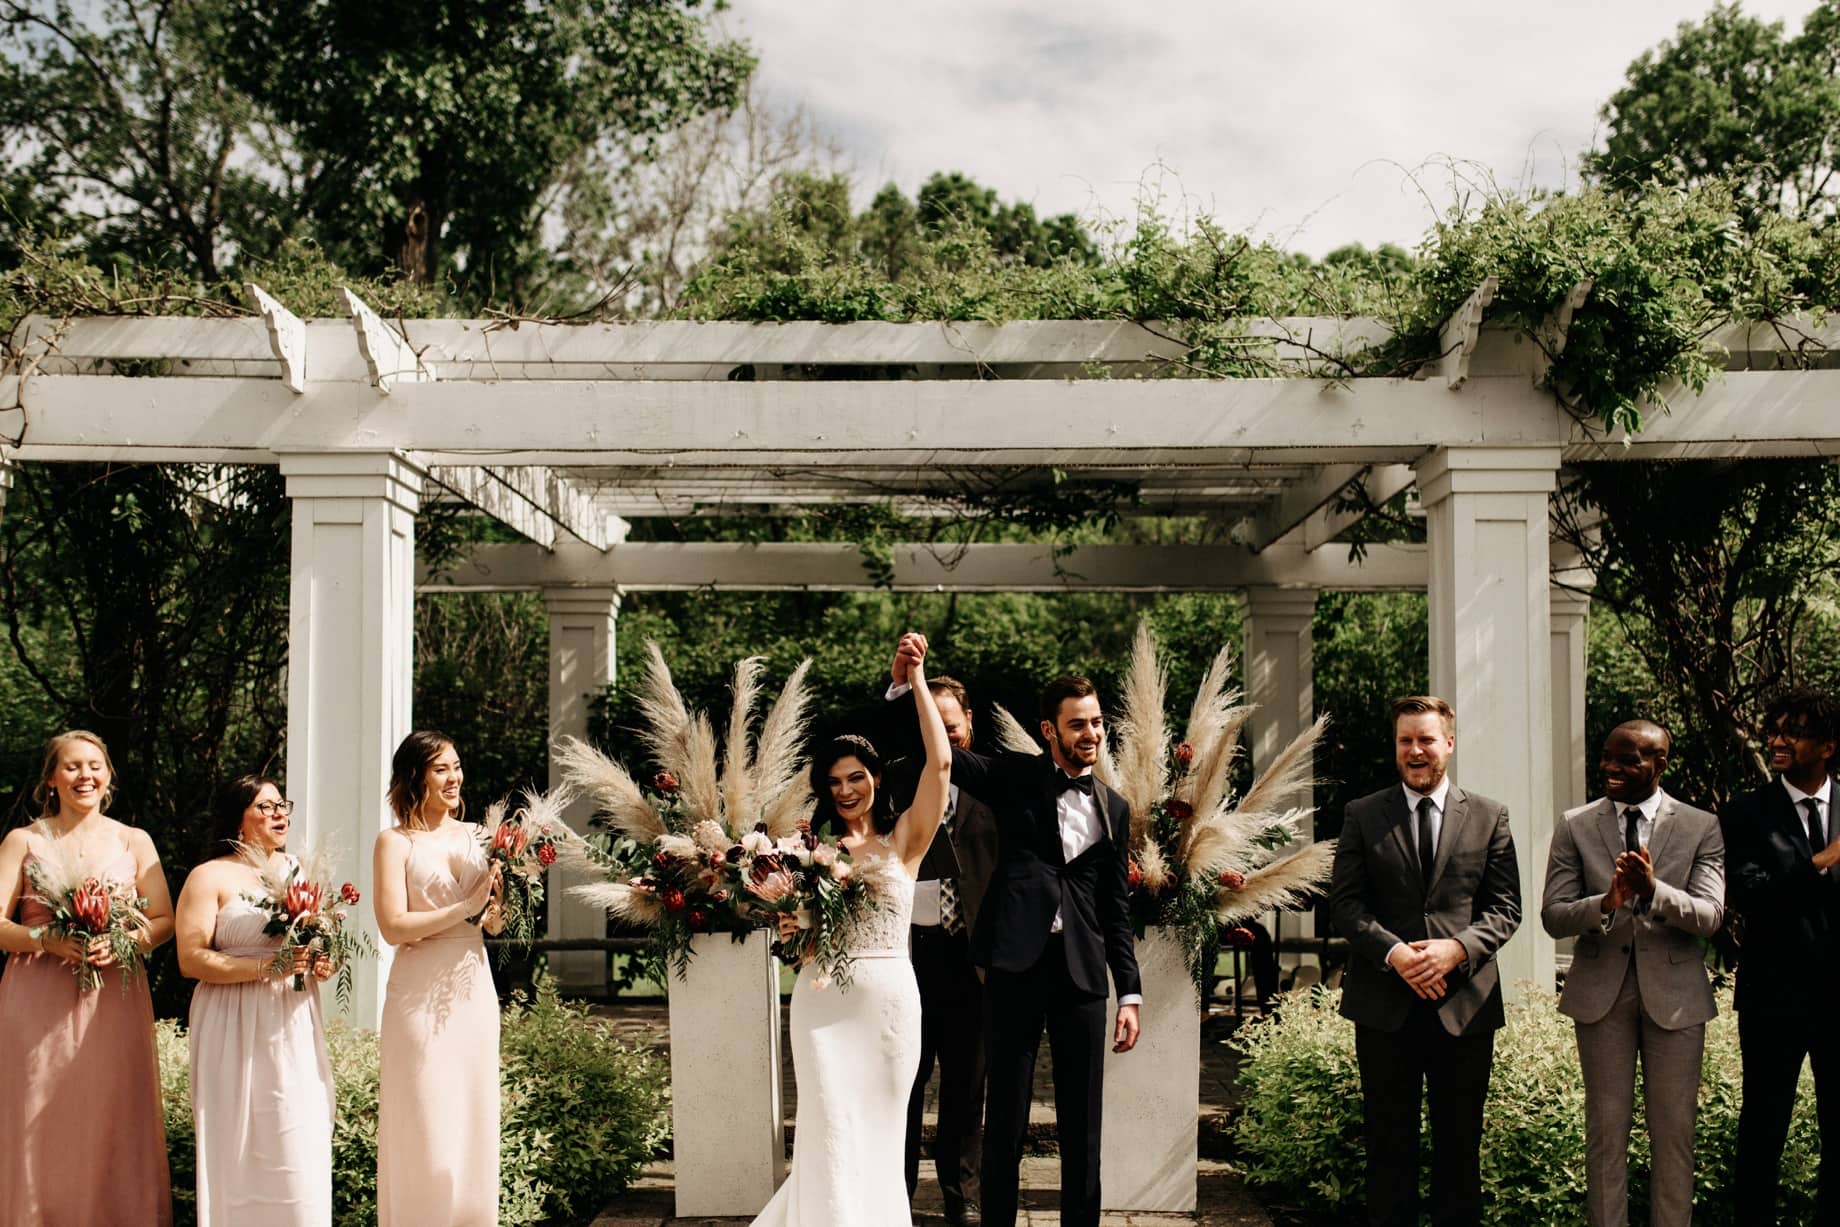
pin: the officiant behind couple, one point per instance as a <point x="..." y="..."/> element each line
<point x="1053" y="921"/>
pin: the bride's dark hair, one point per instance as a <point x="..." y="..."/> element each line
<point x="881" y="810"/>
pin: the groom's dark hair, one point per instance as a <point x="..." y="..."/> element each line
<point x="1059" y="691"/>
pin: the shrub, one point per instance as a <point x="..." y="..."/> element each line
<point x="1298" y="1127"/>
<point x="580" y="1113"/>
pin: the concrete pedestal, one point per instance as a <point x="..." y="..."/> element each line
<point x="728" y="1149"/>
<point x="1148" y="1158"/>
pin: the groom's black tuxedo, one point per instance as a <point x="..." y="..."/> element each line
<point x="1036" y="977"/>
<point x="1033" y="879"/>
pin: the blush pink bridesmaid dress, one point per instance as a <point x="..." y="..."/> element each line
<point x="437" y="1120"/>
<point x="82" y="1138"/>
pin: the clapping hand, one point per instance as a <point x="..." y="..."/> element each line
<point x="1637" y="873"/>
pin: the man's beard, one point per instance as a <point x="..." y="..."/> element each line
<point x="1067" y="754"/>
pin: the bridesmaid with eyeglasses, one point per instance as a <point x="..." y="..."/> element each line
<point x="262" y="1097"/>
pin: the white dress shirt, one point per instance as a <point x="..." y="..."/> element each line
<point x="1438" y="796"/>
<point x="1649" y="808"/>
<point x="1820" y="796"/>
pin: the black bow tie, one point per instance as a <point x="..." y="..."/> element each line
<point x="1080" y="783"/>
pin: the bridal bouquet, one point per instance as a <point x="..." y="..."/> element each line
<point x="306" y="912"/>
<point x="816" y="883"/>
<point x="524" y="843"/>
<point x="674" y="857"/>
<point x="86" y="907"/>
<point x="1201" y="858"/>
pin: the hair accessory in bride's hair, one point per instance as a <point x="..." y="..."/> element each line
<point x="853" y="739"/>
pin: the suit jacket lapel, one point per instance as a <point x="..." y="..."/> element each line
<point x="1610" y="826"/>
<point x="1399" y="819"/>
<point x="1455" y="814"/>
<point x="1102" y="800"/>
<point x="1050" y="827"/>
<point x="1661" y="838"/>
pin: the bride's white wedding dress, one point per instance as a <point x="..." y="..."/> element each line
<point x="855" y="1052"/>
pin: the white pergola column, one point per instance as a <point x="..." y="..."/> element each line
<point x="1279" y="639"/>
<point x="1568" y="608"/>
<point x="1491" y="652"/>
<point x="581" y="662"/>
<point x="350" y="662"/>
<point x="6" y="481"/>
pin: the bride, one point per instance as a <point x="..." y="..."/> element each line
<point x="855" y="1050"/>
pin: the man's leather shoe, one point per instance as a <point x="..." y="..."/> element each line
<point x="967" y="1215"/>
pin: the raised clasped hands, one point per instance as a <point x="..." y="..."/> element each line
<point x="1423" y="965"/>
<point x="908" y="654"/>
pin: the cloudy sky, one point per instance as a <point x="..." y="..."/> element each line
<point x="1313" y="122"/>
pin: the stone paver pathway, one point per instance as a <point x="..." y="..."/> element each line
<point x="1223" y="1200"/>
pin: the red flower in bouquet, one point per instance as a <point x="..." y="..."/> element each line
<point x="302" y="900"/>
<point x="699" y="920"/>
<point x="1232" y="879"/>
<point x="1133" y="875"/>
<point x="546" y="854"/>
<point x="1181" y="811"/>
<point x="508" y="841"/>
<point x="349" y="893"/>
<point x="1185" y="754"/>
<point x="672" y="898"/>
<point x="665" y="782"/>
<point x="1240" y="938"/>
<point x="90" y="902"/>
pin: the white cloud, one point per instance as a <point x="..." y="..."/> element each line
<point x="1300" y="121"/>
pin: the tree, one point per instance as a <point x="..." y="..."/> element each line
<point x="443" y="131"/>
<point x="118" y="126"/>
<point x="1732" y="96"/>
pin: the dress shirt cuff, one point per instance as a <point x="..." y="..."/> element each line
<point x="1131" y="999"/>
<point x="896" y="690"/>
<point x="1387" y="961"/>
<point x="1606" y="920"/>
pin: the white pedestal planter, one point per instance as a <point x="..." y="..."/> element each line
<point x="728" y="1149"/>
<point x="1147" y="1154"/>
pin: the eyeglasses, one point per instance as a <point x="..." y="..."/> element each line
<point x="269" y="809"/>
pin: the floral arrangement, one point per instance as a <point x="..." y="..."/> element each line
<point x="675" y="857"/>
<point x="305" y="912"/>
<point x="524" y="843"/>
<point x="86" y="907"/>
<point x="1200" y="858"/>
<point x="818" y="884"/>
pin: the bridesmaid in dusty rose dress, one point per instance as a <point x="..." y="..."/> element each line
<point x="437" y="1118"/>
<point x="82" y="1140"/>
<point x="262" y="1098"/>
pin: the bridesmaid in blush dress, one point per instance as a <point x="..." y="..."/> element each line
<point x="82" y="1139"/>
<point x="262" y="1098"/>
<point x="437" y="1119"/>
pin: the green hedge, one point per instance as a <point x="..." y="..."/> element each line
<point x="581" y="1114"/>
<point x="1298" y="1127"/>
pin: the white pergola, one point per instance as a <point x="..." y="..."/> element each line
<point x="564" y="433"/>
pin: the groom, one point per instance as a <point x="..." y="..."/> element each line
<point x="1054" y="918"/>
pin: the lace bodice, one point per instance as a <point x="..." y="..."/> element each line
<point x="883" y="928"/>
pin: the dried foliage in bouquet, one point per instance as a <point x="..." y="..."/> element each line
<point x="665" y="854"/>
<point x="306" y="912"/>
<point x="1201" y="858"/>
<point x="86" y="907"/>
<point x="524" y="843"/>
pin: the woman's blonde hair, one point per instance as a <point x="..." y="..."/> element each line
<point x="43" y="795"/>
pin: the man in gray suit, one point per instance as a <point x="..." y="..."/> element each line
<point x="1426" y="891"/>
<point x="1638" y="878"/>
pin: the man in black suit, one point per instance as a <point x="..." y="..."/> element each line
<point x="1053" y="920"/>
<point x="947" y="899"/>
<point x="1781" y="848"/>
<point x="1426" y="890"/>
